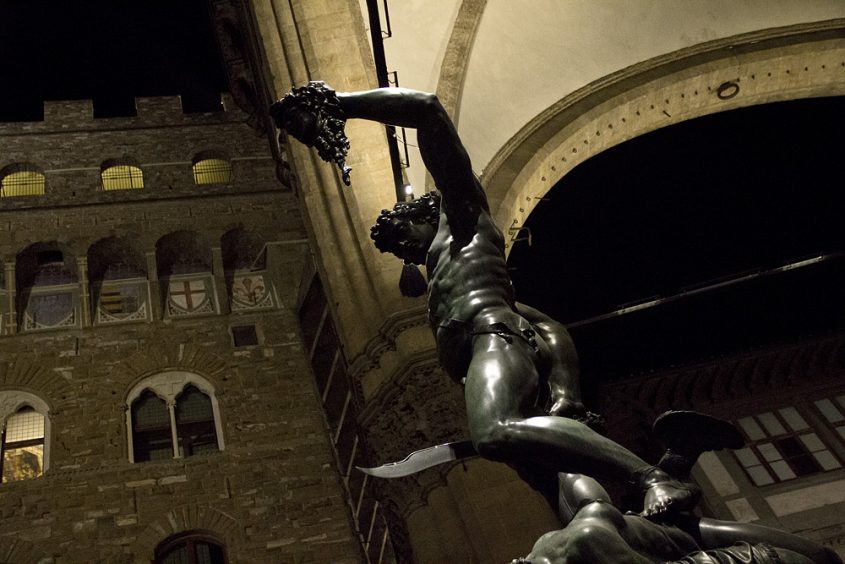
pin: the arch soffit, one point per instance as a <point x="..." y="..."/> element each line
<point x="188" y="519"/>
<point x="768" y="66"/>
<point x="12" y="400"/>
<point x="168" y="385"/>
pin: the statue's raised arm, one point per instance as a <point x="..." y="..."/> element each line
<point x="313" y="113"/>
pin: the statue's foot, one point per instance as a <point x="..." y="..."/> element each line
<point x="664" y="495"/>
<point x="667" y="498"/>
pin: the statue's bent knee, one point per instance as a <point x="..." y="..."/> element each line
<point x="496" y="441"/>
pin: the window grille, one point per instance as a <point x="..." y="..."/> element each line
<point x="122" y="177"/>
<point x="212" y="171"/>
<point x="782" y="446"/>
<point x="23" y="446"/>
<point x="23" y="183"/>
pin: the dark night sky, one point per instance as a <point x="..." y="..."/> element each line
<point x="744" y="190"/>
<point x="107" y="50"/>
<point x="740" y="190"/>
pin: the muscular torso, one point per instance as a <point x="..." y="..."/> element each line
<point x="467" y="272"/>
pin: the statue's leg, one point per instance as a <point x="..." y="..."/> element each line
<point x="574" y="492"/>
<point x="713" y="533"/>
<point x="501" y="387"/>
<point x="562" y="374"/>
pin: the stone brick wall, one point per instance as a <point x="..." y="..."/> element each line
<point x="273" y="494"/>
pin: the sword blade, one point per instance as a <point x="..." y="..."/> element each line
<point x="421" y="459"/>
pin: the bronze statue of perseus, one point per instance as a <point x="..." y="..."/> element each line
<point x="503" y="352"/>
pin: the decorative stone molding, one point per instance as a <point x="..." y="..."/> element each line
<point x="48" y="385"/>
<point x="383" y="342"/>
<point x="183" y="519"/>
<point x="453" y="68"/>
<point x="419" y="408"/>
<point x="187" y="357"/>
<point x="759" y="67"/>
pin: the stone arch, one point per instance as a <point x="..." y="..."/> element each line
<point x="241" y="248"/>
<point x="453" y="68"/>
<point x="182" y="252"/>
<point x="49" y="386"/>
<point x="756" y="68"/>
<point x="187" y="357"/>
<point x="115" y="257"/>
<point x="30" y="263"/>
<point x="48" y="263"/>
<point x="184" y="519"/>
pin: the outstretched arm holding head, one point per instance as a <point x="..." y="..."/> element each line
<point x="442" y="151"/>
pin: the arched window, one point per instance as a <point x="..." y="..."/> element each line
<point x="212" y="171"/>
<point x="191" y="548"/>
<point x="21" y="180"/>
<point x="24" y="452"/>
<point x="172" y="415"/>
<point x="122" y="177"/>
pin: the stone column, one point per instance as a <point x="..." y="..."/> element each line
<point x="220" y="280"/>
<point x="326" y="40"/>
<point x="174" y="436"/>
<point x="84" y="294"/>
<point x="156" y="310"/>
<point x="12" y="319"/>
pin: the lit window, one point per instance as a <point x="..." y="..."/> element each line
<point x="122" y="177"/>
<point x="833" y="410"/>
<point x="23" y="445"/>
<point x="23" y="183"/>
<point x="190" y="548"/>
<point x="172" y="415"/>
<point x="212" y="171"/>
<point x="782" y="446"/>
